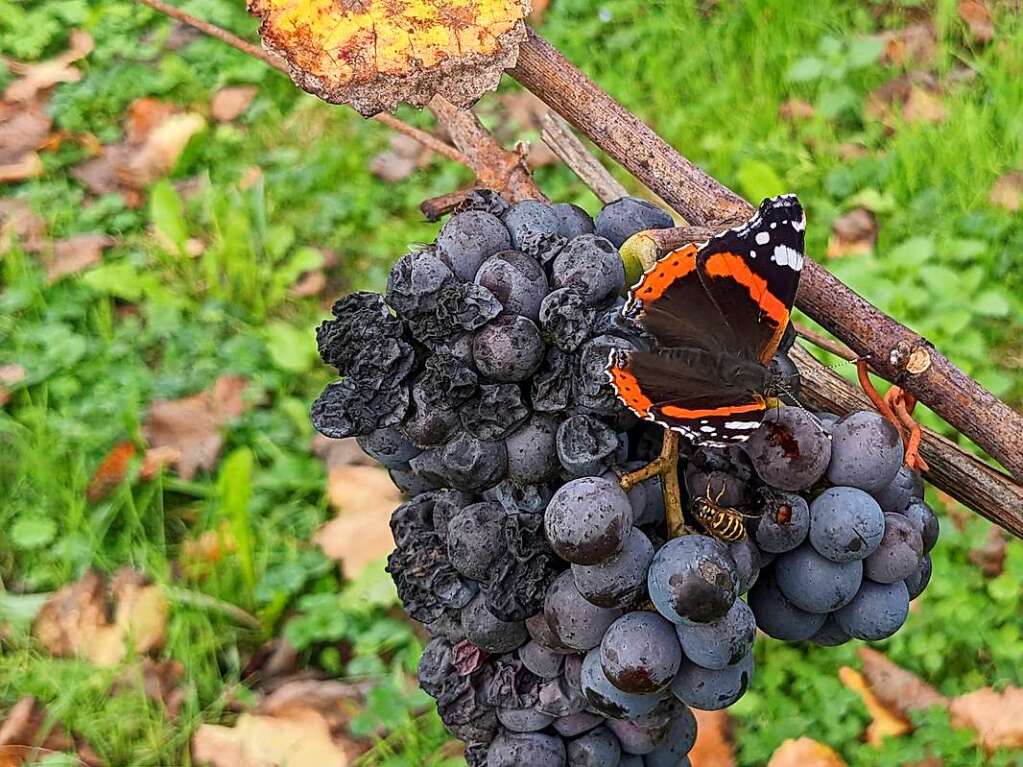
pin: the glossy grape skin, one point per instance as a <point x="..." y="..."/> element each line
<point x="713" y="689"/>
<point x="535" y="749"/>
<point x="607" y="699"/>
<point x="722" y="642"/>
<point x="784" y="524"/>
<point x="588" y="520"/>
<point x="747" y="563"/>
<point x="876" y="612"/>
<point x="906" y="487"/>
<point x="573" y="220"/>
<point x="777" y="616"/>
<point x="925" y="521"/>
<point x="467" y="239"/>
<point x="621" y="219"/>
<point x="488" y="632"/>
<point x="516" y="280"/>
<point x="917" y="582"/>
<point x="692" y="578"/>
<point x="597" y="748"/>
<point x="830" y="634"/>
<point x="677" y="743"/>
<point x="845" y="524"/>
<point x="508" y="349"/>
<point x="640" y="652"/>
<point x="866" y="452"/>
<point x="620" y="580"/>
<point x="576" y="724"/>
<point x="790" y="450"/>
<point x="523" y="719"/>
<point x="575" y="622"/>
<point x="899" y="553"/>
<point x="543" y="662"/>
<point x="816" y="584"/>
<point x="532" y="451"/>
<point x="541" y="633"/>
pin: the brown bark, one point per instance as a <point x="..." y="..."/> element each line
<point x="558" y="135"/>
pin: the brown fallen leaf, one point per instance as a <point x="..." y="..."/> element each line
<point x="990" y="557"/>
<point x="978" y="21"/>
<point x="912" y="97"/>
<point x="896" y="688"/>
<point x="795" y="110"/>
<point x="537" y="11"/>
<point x="923" y="106"/>
<point x="405" y="157"/>
<point x="192" y="425"/>
<point x="12" y="374"/>
<point x="805" y="752"/>
<point x="159" y="680"/>
<point x="360" y="534"/>
<point x="76" y="254"/>
<point x="161" y="149"/>
<point x="28" y="735"/>
<point x="157" y="459"/>
<point x="39" y="76"/>
<point x="996" y="717"/>
<point x="339" y="452"/>
<point x="199" y="555"/>
<point x="914" y="44"/>
<point x="75" y="620"/>
<point x="19" y="223"/>
<point x="111" y="472"/>
<point x="1007" y="191"/>
<point x="301" y="737"/>
<point x="231" y="103"/>
<point x="309" y="284"/>
<point x="713" y="747"/>
<point x="144" y="116"/>
<point x="853" y="234"/>
<point x="25" y="167"/>
<point x="883" y="721"/>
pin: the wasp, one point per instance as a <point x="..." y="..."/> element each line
<point x="721" y="522"/>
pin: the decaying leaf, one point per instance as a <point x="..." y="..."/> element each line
<point x="795" y="110"/>
<point x="144" y="116"/>
<point x="28" y="735"/>
<point x="76" y="254"/>
<point x="978" y="20"/>
<point x="896" y="689"/>
<point x="853" y="234"/>
<point x="805" y="752"/>
<point x="191" y="426"/>
<point x="360" y="534"/>
<point x="912" y="97"/>
<point x="914" y="44"/>
<point x="405" y="157"/>
<point x="996" y="717"/>
<point x="159" y="680"/>
<point x="373" y="54"/>
<point x="309" y="284"/>
<point x="76" y="621"/>
<point x="230" y="103"/>
<point x="157" y="459"/>
<point x="12" y="374"/>
<point x="41" y="75"/>
<point x="19" y="223"/>
<point x="111" y="471"/>
<point x="1007" y="191"/>
<point x="713" y="747"/>
<point x="990" y="557"/>
<point x="24" y="128"/>
<point x="883" y="721"/>
<point x="199" y="555"/>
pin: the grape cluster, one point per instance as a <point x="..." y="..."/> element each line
<point x="568" y="628"/>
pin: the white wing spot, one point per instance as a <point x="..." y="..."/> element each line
<point x="736" y="425"/>
<point x="774" y="225"/>
<point x="752" y="254"/>
<point x="708" y="429"/>
<point x="799" y="225"/>
<point x="763" y="238"/>
<point x="785" y="256"/>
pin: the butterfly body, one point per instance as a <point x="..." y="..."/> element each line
<point x="716" y="312"/>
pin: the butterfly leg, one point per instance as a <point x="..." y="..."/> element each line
<point x="665" y="466"/>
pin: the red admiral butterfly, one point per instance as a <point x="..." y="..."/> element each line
<point x="717" y="312"/>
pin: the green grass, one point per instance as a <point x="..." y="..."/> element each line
<point x="708" y="77"/>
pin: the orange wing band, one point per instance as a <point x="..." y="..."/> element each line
<point x="675" y="265"/>
<point x="673" y="411"/>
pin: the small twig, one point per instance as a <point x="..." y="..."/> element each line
<point x="665" y="466"/>
<point x="435" y="208"/>
<point x="206" y="602"/>
<point x="822" y="341"/>
<point x="272" y="59"/>
<point x="558" y="135"/>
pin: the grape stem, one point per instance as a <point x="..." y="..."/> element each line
<point x="666" y="467"/>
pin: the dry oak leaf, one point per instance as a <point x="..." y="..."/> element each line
<point x="41" y="75"/>
<point x="912" y="97"/>
<point x="990" y="557"/>
<point x="896" y="689"/>
<point x="883" y="721"/>
<point x="300" y="737"/>
<point x="24" y="128"/>
<point x="360" y="534"/>
<point x="76" y="254"/>
<point x="917" y="43"/>
<point x="805" y="752"/>
<point x="19" y="223"/>
<point x="978" y="20"/>
<point x="373" y="54"/>
<point x="231" y="102"/>
<point x="713" y="747"/>
<point x="192" y="425"/>
<point x="996" y="717"/>
<point x="144" y="116"/>
<point x="159" y="680"/>
<point x="28" y="735"/>
<point x="75" y="620"/>
<point x="853" y="234"/>
<point x="1007" y="191"/>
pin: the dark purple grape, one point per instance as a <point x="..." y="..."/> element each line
<point x="785" y="376"/>
<point x="496" y="412"/>
<point x="917" y="582"/>
<point x="523" y="719"/>
<point x="430" y="426"/>
<point x="640" y="652"/>
<point x="676" y="744"/>
<point x="784" y="522"/>
<point x="866" y="452"/>
<point x="486" y="200"/>
<point x="585" y="446"/>
<point x="415" y="280"/>
<point x="713" y="689"/>
<point x="543" y="635"/>
<point x="573" y="220"/>
<point x="348" y="409"/>
<point x="592" y="389"/>
<point x="631" y="760"/>
<point x="747" y="563"/>
<point x="459" y="308"/>
<point x="410" y="483"/>
<point x="559" y="698"/>
<point x="446" y="382"/>
<point x="830" y="634"/>
<point x="520" y="577"/>
<point x="620" y="580"/>
<point x="925" y="521"/>
<point x="551" y="387"/>
<point x="545" y="663"/>
<point x="904" y="489"/>
<point x="693" y="578"/>
<point x="488" y="632"/>
<point x="588" y="520"/>
<point x="532" y="451"/>
<point x="475" y="540"/>
<point x="621" y="219"/>
<point x="815" y="584"/>
<point x="597" y="748"/>
<point x="845" y="524"/>
<point x="511" y="749"/>
<point x="532" y="499"/>
<point x="388" y="446"/>
<point x="720" y="643"/>
<point x="898" y="555"/>
<point x="647" y="732"/>
<point x="508" y="349"/>
<point x="608" y="700"/>
<point x="590" y="264"/>
<point x="876" y="612"/>
<point x="468" y="239"/>
<point x="790" y="450"/>
<point x="517" y="280"/>
<point x="576" y="724"/>
<point x="777" y="616"/>
<point x="535" y="229"/>
<point x="827" y="419"/>
<point x="472" y="464"/>
<point x="574" y="621"/>
<point x="566" y="318"/>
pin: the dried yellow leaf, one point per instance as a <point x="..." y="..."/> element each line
<point x="373" y="54"/>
